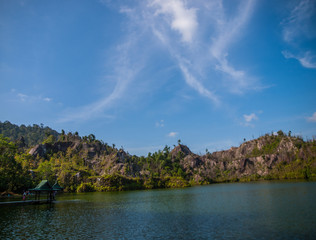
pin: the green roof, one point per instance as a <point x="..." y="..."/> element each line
<point x="57" y="187"/>
<point x="43" y="186"/>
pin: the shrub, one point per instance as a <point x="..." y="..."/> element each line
<point x="86" y="187"/>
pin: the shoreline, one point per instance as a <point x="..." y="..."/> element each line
<point x="16" y="197"/>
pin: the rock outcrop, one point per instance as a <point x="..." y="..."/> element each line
<point x="253" y="158"/>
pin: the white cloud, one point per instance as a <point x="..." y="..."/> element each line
<point x="182" y="54"/>
<point x="172" y="134"/>
<point x="191" y="81"/>
<point x="228" y="31"/>
<point x="307" y="60"/>
<point x="197" y="36"/>
<point x="196" y="65"/>
<point x="295" y="25"/>
<point x="183" y="19"/>
<point x="249" y="119"/>
<point x="312" y="118"/>
<point x="46" y="99"/>
<point x="96" y="109"/>
<point x="23" y="97"/>
<point x="125" y="68"/>
<point x="31" y="99"/>
<point x="160" y="123"/>
<point x="297" y="28"/>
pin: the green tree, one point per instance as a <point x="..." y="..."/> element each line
<point x="50" y="139"/>
<point x="280" y="133"/>
<point x="12" y="175"/>
<point x="45" y="171"/>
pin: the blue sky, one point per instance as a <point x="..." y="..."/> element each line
<point x="143" y="74"/>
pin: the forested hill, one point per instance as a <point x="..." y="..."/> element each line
<point x="32" y="135"/>
<point x="83" y="164"/>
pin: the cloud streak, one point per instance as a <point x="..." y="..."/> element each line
<point x="197" y="36"/>
<point x="190" y="57"/>
<point x="28" y="98"/>
<point x="228" y="31"/>
<point x="312" y="118"/>
<point x="182" y="18"/>
<point x="307" y="60"/>
<point x="297" y="28"/>
<point x="160" y="124"/>
<point x="249" y="118"/>
<point x="124" y="72"/>
<point x="176" y="15"/>
<point x="192" y="82"/>
<point x="173" y="134"/>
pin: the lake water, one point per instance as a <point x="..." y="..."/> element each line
<point x="260" y="210"/>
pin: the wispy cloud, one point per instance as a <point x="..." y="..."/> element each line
<point x="312" y="118"/>
<point x="307" y="60"/>
<point x="46" y="99"/>
<point x="22" y="97"/>
<point x="30" y="98"/>
<point x="192" y="58"/>
<point x="124" y="70"/>
<point x="180" y="17"/>
<point x="228" y="32"/>
<point x="297" y="27"/>
<point x="197" y="36"/>
<point x="160" y="124"/>
<point x="249" y="119"/>
<point x="192" y="82"/>
<point x="173" y="134"/>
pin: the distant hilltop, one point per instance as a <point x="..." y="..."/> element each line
<point x="86" y="164"/>
<point x="30" y="135"/>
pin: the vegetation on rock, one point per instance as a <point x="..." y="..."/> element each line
<point x="85" y="164"/>
<point x="26" y="135"/>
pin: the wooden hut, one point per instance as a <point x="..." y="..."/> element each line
<point x="57" y="187"/>
<point x="45" y="187"/>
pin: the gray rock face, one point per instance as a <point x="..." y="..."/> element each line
<point x="180" y="148"/>
<point x="255" y="157"/>
<point x="42" y="149"/>
<point x="38" y="150"/>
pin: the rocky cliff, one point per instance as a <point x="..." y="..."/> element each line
<point x="87" y="164"/>
<point x="267" y="157"/>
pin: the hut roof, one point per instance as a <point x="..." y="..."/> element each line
<point x="57" y="187"/>
<point x="43" y="186"/>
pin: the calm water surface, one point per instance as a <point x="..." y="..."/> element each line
<point x="264" y="210"/>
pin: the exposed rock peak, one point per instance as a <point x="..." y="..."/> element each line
<point x="254" y="158"/>
<point x="122" y="156"/>
<point x="181" y="148"/>
<point x="42" y="149"/>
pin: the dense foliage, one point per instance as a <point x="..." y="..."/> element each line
<point x="84" y="164"/>
<point x="14" y="170"/>
<point x="31" y="135"/>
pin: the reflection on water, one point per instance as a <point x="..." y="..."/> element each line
<point x="265" y="210"/>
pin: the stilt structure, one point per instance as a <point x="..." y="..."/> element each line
<point x="45" y="187"/>
<point x="57" y="187"/>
